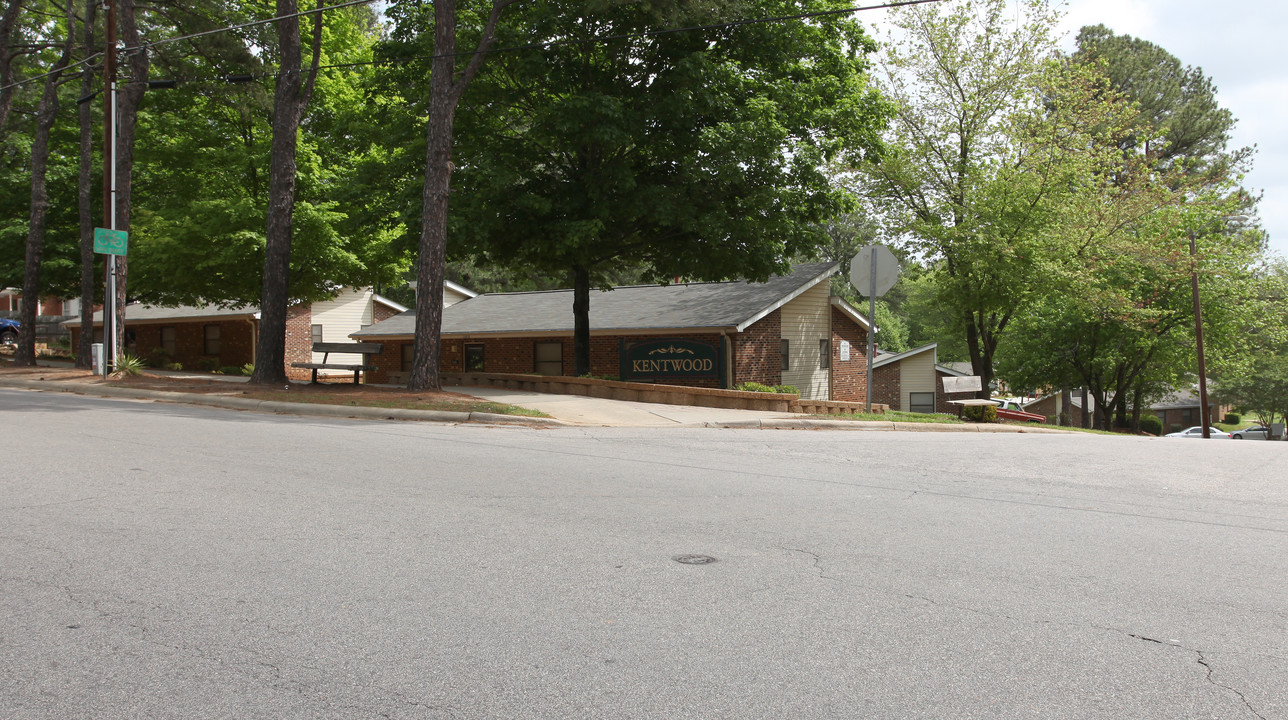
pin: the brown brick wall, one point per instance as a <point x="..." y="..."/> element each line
<point x="518" y="355"/>
<point x="235" y="341"/>
<point x="849" y="379"/>
<point x="887" y="386"/>
<point x="299" y="340"/>
<point x="757" y="352"/>
<point x="380" y="311"/>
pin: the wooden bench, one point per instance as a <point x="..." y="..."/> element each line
<point x="355" y="348"/>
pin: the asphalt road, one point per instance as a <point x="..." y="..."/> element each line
<point x="164" y="561"/>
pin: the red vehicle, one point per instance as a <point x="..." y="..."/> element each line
<point x="1011" y="410"/>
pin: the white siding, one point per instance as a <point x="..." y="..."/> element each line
<point x="916" y="374"/>
<point x="805" y="321"/>
<point x="346" y="313"/>
<point x="451" y="297"/>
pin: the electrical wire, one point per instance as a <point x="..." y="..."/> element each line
<point x="242" y="26"/>
<point x="76" y="64"/>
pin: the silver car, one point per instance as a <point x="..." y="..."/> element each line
<point x="1197" y="432"/>
<point x="1255" y="432"/>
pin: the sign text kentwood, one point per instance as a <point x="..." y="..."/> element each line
<point x="671" y="359"/>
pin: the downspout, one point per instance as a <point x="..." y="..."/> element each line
<point x="254" y="336"/>
<point x="728" y="359"/>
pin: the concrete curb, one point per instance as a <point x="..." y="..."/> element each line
<point x="282" y="408"/>
<point x="447" y="416"/>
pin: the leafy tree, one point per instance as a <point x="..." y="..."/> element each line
<point x="1178" y="102"/>
<point x="976" y="166"/>
<point x="46" y="114"/>
<point x="690" y="154"/>
<point x="291" y="96"/>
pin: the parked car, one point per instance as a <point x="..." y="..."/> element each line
<point x="1254" y="432"/>
<point x="1197" y="432"/>
<point x="9" y="331"/>
<point x="1011" y="410"/>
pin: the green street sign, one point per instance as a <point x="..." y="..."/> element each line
<point x="110" y="242"/>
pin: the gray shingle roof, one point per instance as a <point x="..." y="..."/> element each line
<point x="637" y="308"/>
<point x="138" y="313"/>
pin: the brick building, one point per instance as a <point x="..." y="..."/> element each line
<point x="210" y="336"/>
<point x="912" y="381"/>
<point x="786" y="331"/>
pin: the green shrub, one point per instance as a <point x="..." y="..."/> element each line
<point x="1151" y="425"/>
<point x="1232" y="418"/>
<point x="231" y="370"/>
<point x="127" y="364"/>
<point x="159" y="357"/>
<point x="980" y="413"/>
<point x="787" y="389"/>
<point x="208" y="364"/>
<point x="753" y="387"/>
<point x="1175" y="427"/>
<point x="174" y="366"/>
<point x="248" y="369"/>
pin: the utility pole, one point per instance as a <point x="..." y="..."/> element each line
<point x="111" y="351"/>
<point x="1204" y="412"/>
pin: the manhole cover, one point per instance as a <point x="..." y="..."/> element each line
<point x="694" y="559"/>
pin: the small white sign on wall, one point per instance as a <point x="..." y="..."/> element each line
<point x="845" y="351"/>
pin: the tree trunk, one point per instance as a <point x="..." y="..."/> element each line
<point x="445" y="90"/>
<point x="581" y="321"/>
<point x="1065" y="418"/>
<point x="84" y="196"/>
<point x="7" y="23"/>
<point x="290" y="97"/>
<point x="1086" y="410"/>
<point x="46" y="114"/>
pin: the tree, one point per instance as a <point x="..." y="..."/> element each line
<point x="975" y="164"/>
<point x="447" y="84"/>
<point x="693" y="155"/>
<point x="291" y="97"/>
<point x="1178" y="102"/>
<point x="46" y="114"/>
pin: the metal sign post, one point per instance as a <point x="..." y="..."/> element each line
<point x="873" y="272"/>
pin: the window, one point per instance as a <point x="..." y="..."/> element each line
<point x="548" y="358"/>
<point x="408" y="350"/>
<point x="474" y="357"/>
<point x="317" y="333"/>
<point x="167" y="339"/>
<point x="210" y="341"/>
<point x="824" y="354"/>
<point x="1189" y="416"/>
<point x="921" y="402"/>
<point x="786" y="362"/>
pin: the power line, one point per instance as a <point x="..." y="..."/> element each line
<point x="242" y="26"/>
<point x="24" y="81"/>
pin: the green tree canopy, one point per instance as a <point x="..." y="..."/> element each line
<point x="692" y="154"/>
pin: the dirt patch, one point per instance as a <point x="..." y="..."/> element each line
<point x="335" y="393"/>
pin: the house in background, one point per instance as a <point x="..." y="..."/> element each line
<point x="210" y="336"/>
<point x="912" y="381"/>
<point x="1180" y="410"/>
<point x="51" y="311"/>
<point x="1052" y="406"/>
<point x="786" y="331"/>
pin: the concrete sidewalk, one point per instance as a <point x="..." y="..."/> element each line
<point x="564" y="410"/>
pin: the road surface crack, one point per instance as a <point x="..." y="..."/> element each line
<point x="818" y="561"/>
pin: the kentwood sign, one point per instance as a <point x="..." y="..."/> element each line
<point x="671" y="359"/>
